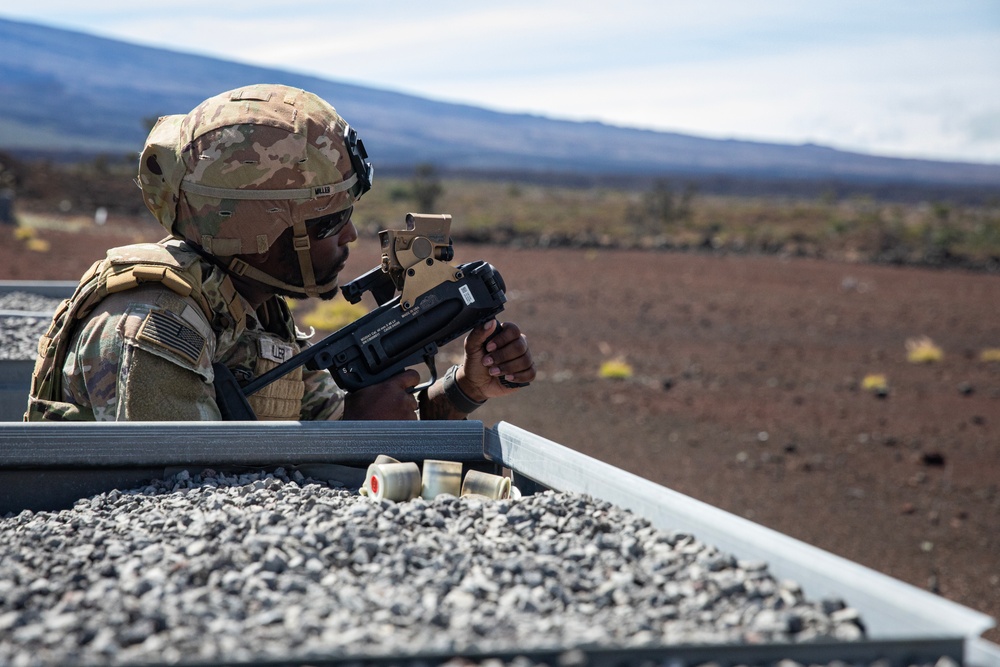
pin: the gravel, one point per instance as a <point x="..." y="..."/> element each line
<point x="270" y="565"/>
<point x="21" y="334"/>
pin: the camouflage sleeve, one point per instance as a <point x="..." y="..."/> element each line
<point x="143" y="355"/>
<point x="323" y="399"/>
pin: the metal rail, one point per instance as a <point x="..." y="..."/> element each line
<point x="35" y="315"/>
<point x="889" y="653"/>
<point x="95" y="445"/>
<point x="59" y="289"/>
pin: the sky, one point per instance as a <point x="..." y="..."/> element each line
<point x="906" y="78"/>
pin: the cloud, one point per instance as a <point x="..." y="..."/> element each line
<point x="903" y="77"/>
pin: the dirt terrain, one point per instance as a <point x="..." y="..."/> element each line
<point x="747" y="389"/>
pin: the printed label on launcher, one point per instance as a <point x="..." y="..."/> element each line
<point x="388" y="326"/>
<point x="467" y="295"/>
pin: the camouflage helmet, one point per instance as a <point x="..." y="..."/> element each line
<point x="246" y="165"/>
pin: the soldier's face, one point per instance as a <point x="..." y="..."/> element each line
<point x="328" y="249"/>
<point x="329" y="252"/>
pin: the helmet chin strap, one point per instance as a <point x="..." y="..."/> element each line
<point x="300" y="241"/>
<point x="242" y="269"/>
<point x="308" y="288"/>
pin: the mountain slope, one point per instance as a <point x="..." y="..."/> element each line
<point x="63" y="91"/>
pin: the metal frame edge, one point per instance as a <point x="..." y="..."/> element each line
<point x="135" y="444"/>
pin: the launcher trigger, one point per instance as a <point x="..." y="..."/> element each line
<point x="429" y="353"/>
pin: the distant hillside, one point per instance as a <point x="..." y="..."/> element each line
<point x="67" y="92"/>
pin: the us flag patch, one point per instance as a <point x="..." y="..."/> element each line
<point x="172" y="334"/>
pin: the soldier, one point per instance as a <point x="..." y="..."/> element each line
<point x="256" y="187"/>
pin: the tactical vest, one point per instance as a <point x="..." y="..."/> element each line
<point x="172" y="265"/>
<point x="282" y="399"/>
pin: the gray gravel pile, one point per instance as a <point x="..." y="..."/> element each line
<point x="35" y="303"/>
<point x="21" y="334"/>
<point x="238" y="567"/>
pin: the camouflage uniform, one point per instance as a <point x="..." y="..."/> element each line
<point x="139" y="337"/>
<point x="146" y="353"/>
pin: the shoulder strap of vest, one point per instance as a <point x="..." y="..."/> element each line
<point x="46" y="379"/>
<point x="106" y="277"/>
<point x="117" y="278"/>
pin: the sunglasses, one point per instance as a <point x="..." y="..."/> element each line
<point x="329" y="225"/>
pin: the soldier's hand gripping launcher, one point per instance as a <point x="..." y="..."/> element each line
<point x="437" y="303"/>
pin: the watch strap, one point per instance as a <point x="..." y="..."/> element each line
<point x="456" y="396"/>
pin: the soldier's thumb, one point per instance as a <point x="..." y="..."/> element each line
<point x="477" y="338"/>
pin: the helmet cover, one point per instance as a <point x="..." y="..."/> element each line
<point x="246" y="165"/>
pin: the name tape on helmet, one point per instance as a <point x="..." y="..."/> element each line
<point x="291" y="193"/>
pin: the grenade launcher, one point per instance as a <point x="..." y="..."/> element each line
<point x="437" y="303"/>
